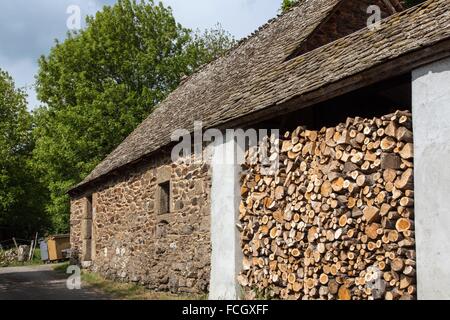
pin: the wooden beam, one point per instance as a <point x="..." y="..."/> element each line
<point x="383" y="71"/>
<point x="390" y="6"/>
<point x="398" y="5"/>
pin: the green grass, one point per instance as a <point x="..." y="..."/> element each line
<point x="61" y="267"/>
<point x="37" y="256"/>
<point x="126" y="291"/>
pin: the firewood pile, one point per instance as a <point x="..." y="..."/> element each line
<point x="337" y="220"/>
<point x="7" y="257"/>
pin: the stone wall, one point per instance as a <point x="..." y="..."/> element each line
<point x="77" y="212"/>
<point x="355" y="15"/>
<point x="133" y="242"/>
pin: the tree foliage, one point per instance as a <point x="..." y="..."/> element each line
<point x="101" y="82"/>
<point x="20" y="193"/>
<point x="287" y="4"/>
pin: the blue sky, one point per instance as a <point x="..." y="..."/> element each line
<point x="28" y="28"/>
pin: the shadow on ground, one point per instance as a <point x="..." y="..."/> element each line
<point x="40" y="283"/>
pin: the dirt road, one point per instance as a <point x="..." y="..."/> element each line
<point x="40" y="283"/>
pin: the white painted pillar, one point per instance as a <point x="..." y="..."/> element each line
<point x="226" y="257"/>
<point x="431" y="118"/>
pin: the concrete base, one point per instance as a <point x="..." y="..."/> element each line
<point x="226" y="256"/>
<point x="431" y="117"/>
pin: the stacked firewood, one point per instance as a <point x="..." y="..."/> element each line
<point x="337" y="220"/>
<point x="7" y="257"/>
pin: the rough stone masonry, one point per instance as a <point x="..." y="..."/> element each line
<point x="122" y="230"/>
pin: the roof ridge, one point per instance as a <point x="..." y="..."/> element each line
<point x="366" y="29"/>
<point x="246" y="38"/>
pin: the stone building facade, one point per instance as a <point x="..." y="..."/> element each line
<point x="135" y="238"/>
<point x="138" y="217"/>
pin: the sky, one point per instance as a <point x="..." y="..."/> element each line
<point x="28" y="28"/>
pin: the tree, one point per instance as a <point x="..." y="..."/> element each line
<point x="287" y="4"/>
<point x="101" y="82"/>
<point x="20" y="209"/>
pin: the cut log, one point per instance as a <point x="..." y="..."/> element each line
<point x="405" y="281"/>
<point x="392" y="295"/>
<point x="388" y="144"/>
<point x="344" y="293"/>
<point x="361" y="180"/>
<point x="323" y="279"/>
<point x="406" y="202"/>
<point x="397" y="265"/>
<point x="295" y="252"/>
<point x="409" y="271"/>
<point x="343" y="220"/>
<point x="405" y="181"/>
<point x="291" y="278"/>
<point x="390" y="161"/>
<point x="321" y="247"/>
<point x="312" y="233"/>
<point x="393" y="236"/>
<point x="407" y="151"/>
<point x="337" y="184"/>
<point x="333" y="286"/>
<point x="404" y="135"/>
<point x="297" y="148"/>
<point x="391" y="129"/>
<point x="326" y="189"/>
<point x="384" y="209"/>
<point x="371" y="214"/>
<point x="286" y="146"/>
<point x="273" y="232"/>
<point x="279" y="192"/>
<point x="297" y="286"/>
<point x="372" y="231"/>
<point x="402" y="224"/>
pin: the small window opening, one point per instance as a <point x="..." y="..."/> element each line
<point x="164" y="197"/>
<point x="88" y="230"/>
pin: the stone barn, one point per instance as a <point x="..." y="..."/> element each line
<point x="353" y="211"/>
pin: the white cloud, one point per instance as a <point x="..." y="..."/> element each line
<point x="23" y="71"/>
<point x="239" y="17"/>
<point x="28" y="28"/>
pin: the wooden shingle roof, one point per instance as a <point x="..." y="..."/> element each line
<point x="256" y="76"/>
